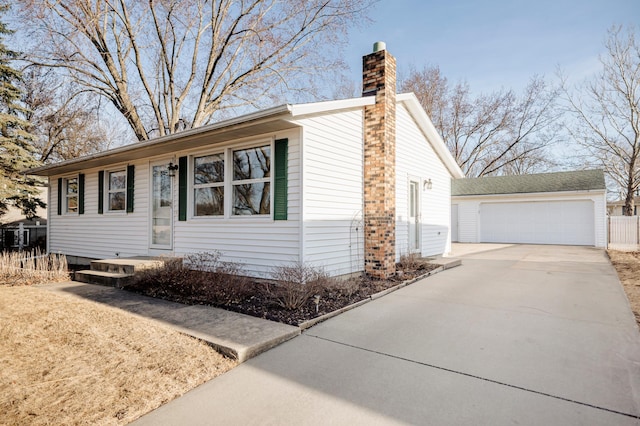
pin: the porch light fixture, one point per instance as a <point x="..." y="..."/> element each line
<point x="172" y="169"/>
<point x="427" y="184"/>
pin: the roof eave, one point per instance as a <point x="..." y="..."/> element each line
<point x="426" y="125"/>
<point x="264" y="121"/>
<point x="311" y="108"/>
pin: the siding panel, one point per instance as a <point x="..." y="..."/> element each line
<point x="416" y="160"/>
<point x="97" y="235"/>
<point x="332" y="163"/>
<point x="258" y="244"/>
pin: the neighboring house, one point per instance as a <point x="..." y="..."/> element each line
<point x="614" y="208"/>
<point x="547" y="208"/>
<point x="24" y="234"/>
<point x="17" y="232"/>
<point x="348" y="185"/>
<point x="14" y="214"/>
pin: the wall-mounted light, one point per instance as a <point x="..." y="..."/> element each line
<point x="427" y="184"/>
<point x="172" y="169"/>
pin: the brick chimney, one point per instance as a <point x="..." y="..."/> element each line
<point x="379" y="80"/>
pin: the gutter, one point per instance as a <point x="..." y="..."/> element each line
<point x="285" y="109"/>
<point x="531" y="194"/>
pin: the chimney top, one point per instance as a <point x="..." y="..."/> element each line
<point x="378" y="46"/>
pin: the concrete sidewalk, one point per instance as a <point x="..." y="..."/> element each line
<point x="235" y="335"/>
<point x="523" y="335"/>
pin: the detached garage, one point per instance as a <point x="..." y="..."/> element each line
<point x="566" y="208"/>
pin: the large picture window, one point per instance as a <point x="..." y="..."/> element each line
<point x="117" y="190"/>
<point x="252" y="181"/>
<point x="71" y="195"/>
<point x="233" y="183"/>
<point x="208" y="185"/>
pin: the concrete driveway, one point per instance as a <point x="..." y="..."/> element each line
<point x="524" y="335"/>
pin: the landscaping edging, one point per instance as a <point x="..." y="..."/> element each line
<point x="310" y="323"/>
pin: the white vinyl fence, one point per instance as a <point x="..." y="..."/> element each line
<point x="624" y="233"/>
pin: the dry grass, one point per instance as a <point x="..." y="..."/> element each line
<point x="627" y="265"/>
<point x="70" y="361"/>
<point x="28" y="268"/>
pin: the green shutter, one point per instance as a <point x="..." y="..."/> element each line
<point x="281" y="185"/>
<point x="100" y="192"/>
<point x="130" y="186"/>
<point x="81" y="193"/>
<point x="59" y="196"/>
<point x="182" y="188"/>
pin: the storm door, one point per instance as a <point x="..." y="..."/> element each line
<point x="161" y="206"/>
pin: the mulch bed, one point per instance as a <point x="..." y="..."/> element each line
<point x="258" y="305"/>
<point x="253" y="300"/>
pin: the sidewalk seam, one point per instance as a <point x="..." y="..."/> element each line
<point x="633" y="416"/>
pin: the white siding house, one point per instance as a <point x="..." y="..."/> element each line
<point x="417" y="161"/>
<point x="332" y="188"/>
<point x="616" y="208"/>
<point x="272" y="187"/>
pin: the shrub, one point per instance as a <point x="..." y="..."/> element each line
<point x="199" y="277"/>
<point x="346" y="288"/>
<point x="412" y="265"/>
<point x="410" y="262"/>
<point x="295" y="285"/>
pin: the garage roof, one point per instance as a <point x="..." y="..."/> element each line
<point x="582" y="180"/>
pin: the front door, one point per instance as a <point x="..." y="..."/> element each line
<point x="414" y="216"/>
<point x="161" y="206"/>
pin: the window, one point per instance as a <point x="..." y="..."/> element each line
<point x="208" y="185"/>
<point x="71" y="195"/>
<point x="252" y="181"/>
<point x="117" y="190"/>
<point x="237" y="182"/>
<point x="13" y="237"/>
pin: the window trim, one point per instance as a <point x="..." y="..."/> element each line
<point x="233" y="183"/>
<point x="227" y="184"/>
<point x="193" y="185"/>
<point x="107" y="191"/>
<point x="66" y="196"/>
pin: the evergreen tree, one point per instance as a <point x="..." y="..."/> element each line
<point x="16" y="148"/>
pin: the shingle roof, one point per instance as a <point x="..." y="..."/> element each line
<point x="583" y="180"/>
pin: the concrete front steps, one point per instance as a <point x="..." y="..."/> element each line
<point x="447" y="262"/>
<point x="116" y="272"/>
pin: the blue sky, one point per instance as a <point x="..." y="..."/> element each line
<point x="492" y="44"/>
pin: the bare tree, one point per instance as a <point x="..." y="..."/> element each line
<point x="65" y="121"/>
<point x="167" y="65"/>
<point x="499" y="133"/>
<point x="606" y="109"/>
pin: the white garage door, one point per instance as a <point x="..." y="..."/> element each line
<point x="553" y="222"/>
